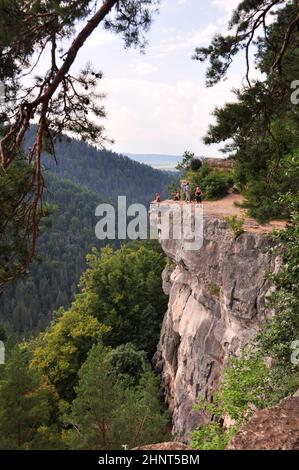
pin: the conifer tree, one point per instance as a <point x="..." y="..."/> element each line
<point x="107" y="413"/>
<point x="27" y="404"/>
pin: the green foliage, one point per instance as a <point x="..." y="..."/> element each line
<point x="264" y="200"/>
<point x="122" y="289"/>
<point x="247" y="385"/>
<point x="106" y="414"/>
<point x="106" y="173"/>
<point x="26" y="307"/>
<point x="196" y="164"/>
<point x="13" y="241"/>
<point x="66" y="238"/>
<point x="210" y="437"/>
<point x="59" y="101"/>
<point x="260" y="129"/>
<point x="186" y="162"/>
<point x="236" y="225"/>
<point x="215" y="290"/>
<point x="127" y="363"/>
<point x="121" y="301"/>
<point x="214" y="184"/>
<point x="115" y="398"/>
<point x="277" y="337"/>
<point x="61" y="350"/>
<point x="245" y="23"/>
<point x="27" y="404"/>
<point x="244" y="383"/>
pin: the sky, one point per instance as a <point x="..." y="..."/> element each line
<point x="158" y="102"/>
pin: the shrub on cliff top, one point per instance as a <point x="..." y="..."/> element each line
<point x="215" y="184"/>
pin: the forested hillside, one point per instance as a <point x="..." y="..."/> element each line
<point x="106" y="172"/>
<point x="82" y="178"/>
<point x="28" y="304"/>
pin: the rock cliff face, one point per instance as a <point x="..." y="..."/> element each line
<point x="217" y="299"/>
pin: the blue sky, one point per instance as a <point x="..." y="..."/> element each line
<point x="158" y="102"/>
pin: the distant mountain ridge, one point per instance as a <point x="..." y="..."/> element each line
<point x="156" y="161"/>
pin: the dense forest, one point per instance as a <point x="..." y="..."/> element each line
<point x="93" y="177"/>
<point x="91" y="365"/>
<point x="67" y="237"/>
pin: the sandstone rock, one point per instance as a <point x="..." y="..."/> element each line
<point x="276" y="428"/>
<point x="217" y="304"/>
<point x="220" y="163"/>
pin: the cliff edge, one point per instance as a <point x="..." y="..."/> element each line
<point x="217" y="304"/>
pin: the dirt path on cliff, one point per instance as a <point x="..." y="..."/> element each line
<point x="227" y="207"/>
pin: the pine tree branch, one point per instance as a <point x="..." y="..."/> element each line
<point x="286" y="41"/>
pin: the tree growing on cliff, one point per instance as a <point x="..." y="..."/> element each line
<point x="260" y="129"/>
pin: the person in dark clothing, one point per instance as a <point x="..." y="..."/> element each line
<point x="198" y="195"/>
<point x="177" y="196"/>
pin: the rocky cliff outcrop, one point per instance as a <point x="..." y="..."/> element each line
<point x="275" y="428"/>
<point x="220" y="163"/>
<point x="217" y="304"/>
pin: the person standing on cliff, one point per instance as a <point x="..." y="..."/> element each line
<point x="198" y="195"/>
<point x="188" y="193"/>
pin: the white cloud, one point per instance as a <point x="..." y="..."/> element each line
<point x="102" y="37"/>
<point x="160" y="117"/>
<point x="158" y="103"/>
<point x="180" y="41"/>
<point x="144" y="68"/>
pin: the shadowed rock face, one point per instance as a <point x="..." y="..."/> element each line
<point x="217" y="298"/>
<point x="276" y="428"/>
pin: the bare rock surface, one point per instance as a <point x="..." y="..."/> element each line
<point x="275" y="428"/>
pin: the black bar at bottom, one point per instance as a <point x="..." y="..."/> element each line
<point x="134" y="459"/>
